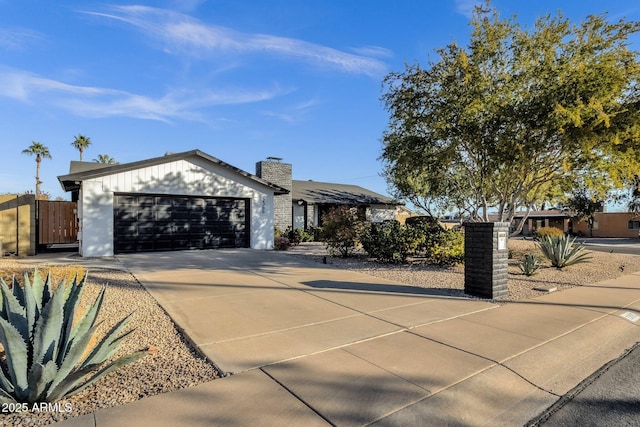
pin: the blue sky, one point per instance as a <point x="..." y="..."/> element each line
<point x="240" y="80"/>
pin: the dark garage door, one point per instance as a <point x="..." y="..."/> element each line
<point x="161" y="223"/>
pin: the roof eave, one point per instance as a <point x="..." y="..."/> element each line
<point x="69" y="181"/>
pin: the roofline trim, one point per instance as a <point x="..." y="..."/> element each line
<point x="68" y="182"/>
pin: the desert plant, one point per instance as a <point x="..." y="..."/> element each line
<point x="426" y="232"/>
<point x="562" y="252"/>
<point x="297" y="235"/>
<point x="548" y="232"/>
<point x="51" y="350"/>
<point x="315" y="233"/>
<point x="529" y="264"/>
<point x="388" y="242"/>
<point x="281" y="243"/>
<point x="341" y="228"/>
<point x="447" y="247"/>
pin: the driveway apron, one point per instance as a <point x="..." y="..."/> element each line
<point x="246" y="309"/>
<point x="347" y="348"/>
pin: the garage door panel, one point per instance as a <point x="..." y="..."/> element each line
<point x="163" y="201"/>
<point x="180" y="202"/>
<point x="146" y="214"/>
<point x="198" y="229"/>
<point x="163" y="213"/>
<point x="146" y="229"/>
<point x="157" y="223"/>
<point x="146" y="201"/>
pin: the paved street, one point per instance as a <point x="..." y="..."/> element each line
<point x="610" y="397"/>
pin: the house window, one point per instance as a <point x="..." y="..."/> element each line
<point x="596" y="225"/>
<point x="633" y="225"/>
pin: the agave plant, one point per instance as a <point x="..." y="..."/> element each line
<point x="529" y="264"/>
<point x="562" y="252"/>
<point x="50" y="351"/>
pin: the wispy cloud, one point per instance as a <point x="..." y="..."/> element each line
<point x="293" y="113"/>
<point x="87" y="101"/>
<point x="16" y="38"/>
<point x="182" y="33"/>
<point x="466" y="7"/>
<point x="186" y="5"/>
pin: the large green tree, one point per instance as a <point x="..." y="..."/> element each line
<point x="517" y="116"/>
<point x="584" y="205"/>
<point x="41" y="152"/>
<point x="80" y="143"/>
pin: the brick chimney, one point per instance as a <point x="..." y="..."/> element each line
<point x="279" y="173"/>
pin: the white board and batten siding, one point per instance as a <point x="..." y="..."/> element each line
<point x="189" y="177"/>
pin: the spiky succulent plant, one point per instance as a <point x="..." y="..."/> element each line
<point x="50" y="351"/>
<point x="529" y="264"/>
<point x="562" y="252"/>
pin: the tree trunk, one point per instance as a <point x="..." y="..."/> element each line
<point x="38" y="160"/>
<point x="520" y="226"/>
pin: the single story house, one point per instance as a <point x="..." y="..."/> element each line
<point x="560" y="219"/>
<point x="312" y="200"/>
<point x="177" y="201"/>
<point x="605" y="224"/>
<point x="308" y="201"/>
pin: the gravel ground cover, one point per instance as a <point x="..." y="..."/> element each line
<point x="172" y="363"/>
<point x="450" y="280"/>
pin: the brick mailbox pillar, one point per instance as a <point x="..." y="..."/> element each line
<point x="486" y="259"/>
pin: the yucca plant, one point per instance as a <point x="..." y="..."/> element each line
<point x="529" y="264"/>
<point x="51" y="351"/>
<point x="562" y="252"/>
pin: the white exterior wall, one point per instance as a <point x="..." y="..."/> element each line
<point x="380" y="213"/>
<point x="194" y="177"/>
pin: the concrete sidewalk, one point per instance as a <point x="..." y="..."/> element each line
<point x="308" y="344"/>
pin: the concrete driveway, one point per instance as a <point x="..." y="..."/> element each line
<point x="247" y="309"/>
<point x="313" y="345"/>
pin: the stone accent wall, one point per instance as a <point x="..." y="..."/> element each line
<point x="278" y="173"/>
<point x="486" y="259"/>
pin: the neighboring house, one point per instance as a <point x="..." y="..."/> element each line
<point x="611" y="224"/>
<point x="187" y="200"/>
<point x="557" y="218"/>
<point x="605" y="224"/>
<point x="309" y="201"/>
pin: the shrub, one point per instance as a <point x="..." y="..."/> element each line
<point x="293" y="236"/>
<point x="315" y="233"/>
<point x="341" y="230"/>
<point x="297" y="235"/>
<point x="529" y="264"/>
<point x="277" y="232"/>
<point x="561" y="251"/>
<point x="388" y="242"/>
<point x="447" y="247"/>
<point x="543" y="232"/>
<point x="281" y="243"/>
<point x="51" y="352"/>
<point x="426" y="232"/>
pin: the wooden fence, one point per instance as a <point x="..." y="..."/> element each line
<point x="57" y="222"/>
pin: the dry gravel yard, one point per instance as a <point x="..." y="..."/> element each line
<point x="174" y="364"/>
<point x="450" y="280"/>
<point x="171" y="364"/>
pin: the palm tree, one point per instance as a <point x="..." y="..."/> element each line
<point x="40" y="151"/>
<point x="106" y="160"/>
<point x="80" y="143"/>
